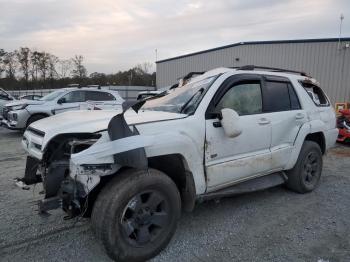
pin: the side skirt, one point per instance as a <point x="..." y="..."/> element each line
<point x="252" y="185"/>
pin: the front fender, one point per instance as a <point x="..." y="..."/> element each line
<point x="154" y="145"/>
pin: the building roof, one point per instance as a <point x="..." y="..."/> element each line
<point x="317" y="40"/>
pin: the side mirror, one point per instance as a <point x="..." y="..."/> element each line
<point x="61" y="100"/>
<point x="230" y="122"/>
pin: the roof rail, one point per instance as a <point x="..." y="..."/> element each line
<point x="94" y="86"/>
<point x="272" y="69"/>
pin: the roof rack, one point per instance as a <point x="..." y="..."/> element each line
<point x="94" y="86"/>
<point x="272" y="69"/>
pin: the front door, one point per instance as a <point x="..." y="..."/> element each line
<point x="230" y="160"/>
<point x="72" y="101"/>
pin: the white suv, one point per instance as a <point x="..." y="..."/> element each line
<point x="18" y="115"/>
<point x="4" y="99"/>
<point x="225" y="132"/>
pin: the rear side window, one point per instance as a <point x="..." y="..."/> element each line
<point x="276" y="97"/>
<point x="315" y="93"/>
<point x="75" y="96"/>
<point x="99" y="96"/>
<point x="280" y="96"/>
<point x="294" y="101"/>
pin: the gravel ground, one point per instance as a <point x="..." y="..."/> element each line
<point x="270" y="225"/>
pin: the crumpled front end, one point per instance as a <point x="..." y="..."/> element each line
<point x="53" y="168"/>
<point x="72" y="165"/>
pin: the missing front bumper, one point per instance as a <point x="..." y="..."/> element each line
<point x="70" y="198"/>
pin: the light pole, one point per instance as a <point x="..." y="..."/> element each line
<point x="340" y="27"/>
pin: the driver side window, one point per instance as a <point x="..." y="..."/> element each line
<point x="245" y="98"/>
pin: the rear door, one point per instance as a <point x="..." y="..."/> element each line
<point x="282" y="108"/>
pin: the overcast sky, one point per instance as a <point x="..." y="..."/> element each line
<point x="114" y="35"/>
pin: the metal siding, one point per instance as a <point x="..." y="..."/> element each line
<point x="322" y="60"/>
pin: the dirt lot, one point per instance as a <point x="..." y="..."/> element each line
<point x="271" y="225"/>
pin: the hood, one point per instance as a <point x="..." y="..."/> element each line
<point x="90" y="121"/>
<point x="25" y="101"/>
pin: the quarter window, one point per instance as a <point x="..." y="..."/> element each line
<point x="315" y="93"/>
<point x="245" y="98"/>
<point x="294" y="101"/>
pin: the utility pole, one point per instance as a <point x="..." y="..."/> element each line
<point x="340" y="27"/>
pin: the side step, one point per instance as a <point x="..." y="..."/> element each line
<point x="252" y="185"/>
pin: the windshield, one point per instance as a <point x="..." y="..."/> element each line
<point x="52" y="95"/>
<point x="184" y="99"/>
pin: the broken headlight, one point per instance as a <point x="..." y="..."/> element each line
<point x="77" y="146"/>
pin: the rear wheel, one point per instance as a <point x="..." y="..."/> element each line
<point x="305" y="175"/>
<point x="136" y="215"/>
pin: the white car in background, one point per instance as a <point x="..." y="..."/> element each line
<point x="4" y="99"/>
<point x="18" y="115"/>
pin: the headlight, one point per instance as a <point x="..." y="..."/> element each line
<point x="18" y="107"/>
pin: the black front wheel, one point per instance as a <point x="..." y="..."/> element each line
<point x="136" y="214"/>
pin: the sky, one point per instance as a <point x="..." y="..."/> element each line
<point x="115" y="35"/>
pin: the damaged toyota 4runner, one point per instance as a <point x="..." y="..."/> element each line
<point x="224" y="132"/>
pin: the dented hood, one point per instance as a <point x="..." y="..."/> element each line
<point x="91" y="121"/>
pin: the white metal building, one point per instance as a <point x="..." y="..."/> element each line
<point x="328" y="60"/>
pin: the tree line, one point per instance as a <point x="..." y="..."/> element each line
<point x="31" y="69"/>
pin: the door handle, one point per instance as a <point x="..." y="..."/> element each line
<point x="263" y="121"/>
<point x="299" y="116"/>
<point x="217" y="124"/>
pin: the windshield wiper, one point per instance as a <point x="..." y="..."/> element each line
<point x="191" y="98"/>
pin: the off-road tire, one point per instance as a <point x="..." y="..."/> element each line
<point x="34" y="118"/>
<point x="112" y="204"/>
<point x="299" y="176"/>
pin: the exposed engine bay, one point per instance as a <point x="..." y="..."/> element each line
<point x="67" y="173"/>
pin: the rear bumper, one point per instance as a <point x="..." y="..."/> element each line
<point x="331" y="136"/>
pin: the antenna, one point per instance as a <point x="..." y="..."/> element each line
<point x="340" y="27"/>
